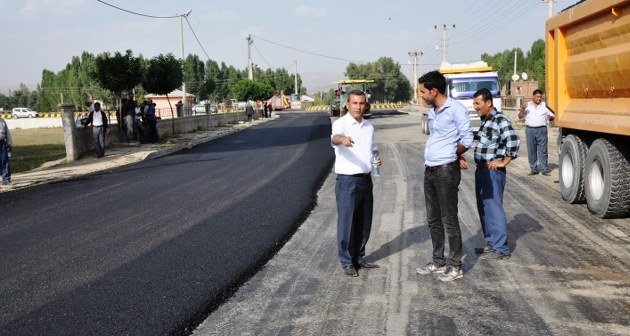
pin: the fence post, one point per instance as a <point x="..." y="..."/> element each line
<point x="69" y="131"/>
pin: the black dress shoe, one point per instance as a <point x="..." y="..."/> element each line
<point x="366" y="264"/>
<point x="350" y="271"/>
<point x="485" y="249"/>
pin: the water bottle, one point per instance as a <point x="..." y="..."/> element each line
<point x="376" y="170"/>
<point x="8" y="152"/>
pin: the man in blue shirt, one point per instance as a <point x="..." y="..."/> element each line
<point x="497" y="144"/>
<point x="450" y="136"/>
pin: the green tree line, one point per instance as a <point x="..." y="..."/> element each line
<point x="82" y="79"/>
<point x="220" y="83"/>
<point x="532" y="63"/>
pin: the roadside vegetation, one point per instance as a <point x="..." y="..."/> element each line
<point x="35" y="146"/>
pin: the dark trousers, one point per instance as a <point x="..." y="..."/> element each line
<point x="152" y="131"/>
<point x="4" y="161"/>
<point x="489" y="186"/>
<point x="440" y="194"/>
<point x="354" y="222"/>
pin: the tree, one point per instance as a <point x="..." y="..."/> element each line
<point x="163" y="75"/>
<point x="246" y="90"/>
<point x="533" y="63"/>
<point x="194" y="76"/>
<point x="118" y="73"/>
<point x="390" y="84"/>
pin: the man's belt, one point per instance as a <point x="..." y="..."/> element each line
<point x="440" y="167"/>
<point x="362" y="175"/>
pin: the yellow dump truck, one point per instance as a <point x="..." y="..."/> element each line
<point x="588" y="85"/>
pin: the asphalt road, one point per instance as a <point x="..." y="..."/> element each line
<point x="569" y="273"/>
<point x="153" y="248"/>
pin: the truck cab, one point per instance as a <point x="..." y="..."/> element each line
<point x="462" y="81"/>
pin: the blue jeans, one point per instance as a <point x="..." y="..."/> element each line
<point x="489" y="186"/>
<point x="354" y="222"/>
<point x="4" y="161"/>
<point x="537" y="147"/>
<point x="440" y="194"/>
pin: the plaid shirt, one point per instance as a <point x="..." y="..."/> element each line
<point x="496" y="139"/>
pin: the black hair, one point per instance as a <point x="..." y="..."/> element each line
<point x="433" y="80"/>
<point x="537" y="91"/>
<point x="484" y="93"/>
<point x="356" y="92"/>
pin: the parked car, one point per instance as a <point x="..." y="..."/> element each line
<point x="24" y="112"/>
<point x="201" y="109"/>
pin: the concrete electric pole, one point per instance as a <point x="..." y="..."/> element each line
<point x="550" y="2"/>
<point x="181" y="32"/>
<point x="444" y="29"/>
<point x="414" y="57"/>
<point x="250" y="65"/>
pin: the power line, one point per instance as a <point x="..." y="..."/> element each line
<point x="308" y="52"/>
<point x="136" y="13"/>
<point x="195" y="35"/>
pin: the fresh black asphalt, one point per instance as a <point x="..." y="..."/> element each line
<point x="153" y="248"/>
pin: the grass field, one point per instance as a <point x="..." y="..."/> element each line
<point x="33" y="147"/>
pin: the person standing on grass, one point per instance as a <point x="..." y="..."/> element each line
<point x="98" y="119"/>
<point x="6" y="143"/>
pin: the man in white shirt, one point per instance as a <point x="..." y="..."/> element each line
<point x="98" y="119"/>
<point x="536" y="115"/>
<point x="353" y="140"/>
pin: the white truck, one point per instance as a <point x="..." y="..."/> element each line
<point x="462" y="81"/>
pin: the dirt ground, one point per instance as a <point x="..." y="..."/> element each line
<point x="569" y="271"/>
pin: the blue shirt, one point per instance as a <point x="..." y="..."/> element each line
<point x="448" y="127"/>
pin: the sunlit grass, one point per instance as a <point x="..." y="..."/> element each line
<point x="35" y="146"/>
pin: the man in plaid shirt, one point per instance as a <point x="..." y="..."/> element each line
<point x="497" y="144"/>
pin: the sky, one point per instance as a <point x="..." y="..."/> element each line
<point x="320" y="37"/>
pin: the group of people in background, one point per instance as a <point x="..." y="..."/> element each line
<point x="140" y="120"/>
<point x="495" y="145"/>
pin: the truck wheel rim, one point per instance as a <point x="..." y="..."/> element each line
<point x="597" y="180"/>
<point x="567" y="171"/>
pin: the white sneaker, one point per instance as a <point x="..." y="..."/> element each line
<point x="452" y="273"/>
<point x="430" y="268"/>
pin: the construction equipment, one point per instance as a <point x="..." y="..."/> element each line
<point x="341" y="95"/>
<point x="462" y="81"/>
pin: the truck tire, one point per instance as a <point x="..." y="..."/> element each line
<point x="572" y="164"/>
<point x="607" y="178"/>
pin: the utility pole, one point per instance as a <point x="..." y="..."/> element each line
<point x="250" y="66"/>
<point x="181" y="32"/>
<point x="414" y="56"/>
<point x="444" y="29"/>
<point x="550" y="2"/>
<point x="296" y="82"/>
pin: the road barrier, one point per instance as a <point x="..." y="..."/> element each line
<point x="374" y="107"/>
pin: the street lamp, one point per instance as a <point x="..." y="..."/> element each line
<point x="181" y="32"/>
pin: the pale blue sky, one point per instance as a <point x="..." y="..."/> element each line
<point x="322" y="35"/>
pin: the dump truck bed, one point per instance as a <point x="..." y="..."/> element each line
<point x="588" y="66"/>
